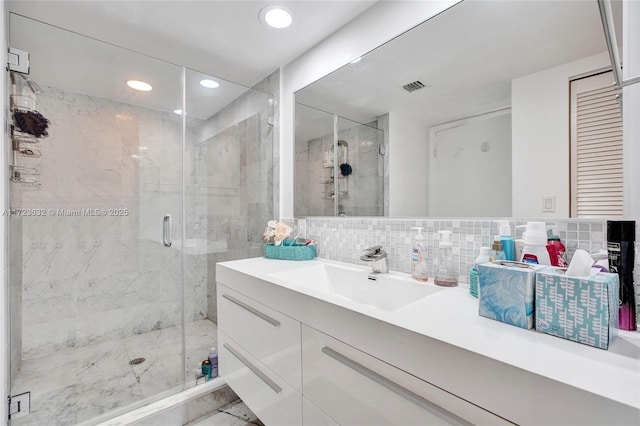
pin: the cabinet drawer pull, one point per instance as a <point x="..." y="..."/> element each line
<point x="393" y="386"/>
<point x="273" y="385"/>
<point x="253" y="310"/>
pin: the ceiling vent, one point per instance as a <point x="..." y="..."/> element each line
<point x="412" y="87"/>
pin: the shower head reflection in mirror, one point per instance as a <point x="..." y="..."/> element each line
<point x="495" y="74"/>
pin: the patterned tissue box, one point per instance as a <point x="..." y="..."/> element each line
<point x="582" y="309"/>
<point x="506" y="292"/>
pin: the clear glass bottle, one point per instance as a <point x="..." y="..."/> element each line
<point x="446" y="272"/>
<point x="497" y="252"/>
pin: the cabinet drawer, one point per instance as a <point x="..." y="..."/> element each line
<point x="270" y="397"/>
<point x="354" y="388"/>
<point x="268" y="335"/>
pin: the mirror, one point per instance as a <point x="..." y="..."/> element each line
<point x="609" y="20"/>
<point x="472" y="110"/>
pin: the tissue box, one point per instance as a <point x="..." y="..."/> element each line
<point x="506" y="292"/>
<point x="582" y="309"/>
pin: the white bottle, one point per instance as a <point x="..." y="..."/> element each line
<point x="418" y="260"/>
<point x="483" y="257"/>
<point x="535" y="244"/>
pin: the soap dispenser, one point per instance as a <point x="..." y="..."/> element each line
<point x="418" y="261"/>
<point x="497" y="252"/>
<point x="446" y="273"/>
<point x="508" y="243"/>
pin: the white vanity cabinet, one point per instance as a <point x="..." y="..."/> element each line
<point x="264" y="355"/>
<point x="298" y="356"/>
<point x="269" y="396"/>
<point x="355" y="388"/>
<point x="260" y="357"/>
<point x="265" y="333"/>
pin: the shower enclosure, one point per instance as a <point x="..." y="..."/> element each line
<point x="339" y="165"/>
<point x="118" y="217"/>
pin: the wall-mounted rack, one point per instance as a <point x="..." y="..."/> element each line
<point x="25" y="175"/>
<point x="24" y="145"/>
<point x="336" y="182"/>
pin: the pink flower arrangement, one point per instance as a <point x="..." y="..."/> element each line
<point x="276" y="232"/>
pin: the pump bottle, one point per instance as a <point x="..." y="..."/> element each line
<point x="497" y="253"/>
<point x="446" y="273"/>
<point x="508" y="243"/>
<point x="418" y="261"/>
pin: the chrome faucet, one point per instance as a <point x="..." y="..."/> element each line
<point x="378" y="256"/>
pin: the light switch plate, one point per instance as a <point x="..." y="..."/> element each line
<point x="548" y="204"/>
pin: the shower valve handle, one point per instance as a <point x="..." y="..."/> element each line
<point x="166" y="230"/>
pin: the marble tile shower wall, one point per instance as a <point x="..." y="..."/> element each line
<point x="85" y="278"/>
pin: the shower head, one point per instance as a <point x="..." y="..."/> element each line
<point x="33" y="86"/>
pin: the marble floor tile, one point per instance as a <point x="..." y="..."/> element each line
<point x="69" y="366"/>
<point x="75" y="385"/>
<point x="234" y="414"/>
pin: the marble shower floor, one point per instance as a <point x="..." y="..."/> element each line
<point x="75" y="385"/>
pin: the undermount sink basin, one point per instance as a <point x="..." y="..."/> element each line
<point x="387" y="291"/>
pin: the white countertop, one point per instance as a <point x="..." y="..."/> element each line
<point x="451" y="316"/>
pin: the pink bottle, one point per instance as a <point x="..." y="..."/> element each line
<point x="557" y="251"/>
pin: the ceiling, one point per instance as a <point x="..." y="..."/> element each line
<point x="219" y="38"/>
<point x="466" y="57"/>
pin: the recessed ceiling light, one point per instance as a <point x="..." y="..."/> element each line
<point x="139" y="85"/>
<point x="209" y="84"/>
<point x="276" y="16"/>
<point x="177" y="111"/>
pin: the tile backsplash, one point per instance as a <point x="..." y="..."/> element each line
<point x="344" y="239"/>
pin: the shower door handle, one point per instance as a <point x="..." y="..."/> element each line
<point x="166" y="230"/>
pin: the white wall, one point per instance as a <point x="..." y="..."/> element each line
<point x="377" y="25"/>
<point x="540" y="129"/>
<point x="471" y="171"/>
<point x="408" y="151"/>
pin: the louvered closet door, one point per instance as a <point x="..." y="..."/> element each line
<point x="596" y="147"/>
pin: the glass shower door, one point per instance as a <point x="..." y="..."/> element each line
<point x="95" y="278"/>
<point x="359" y="169"/>
<point x="229" y="196"/>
